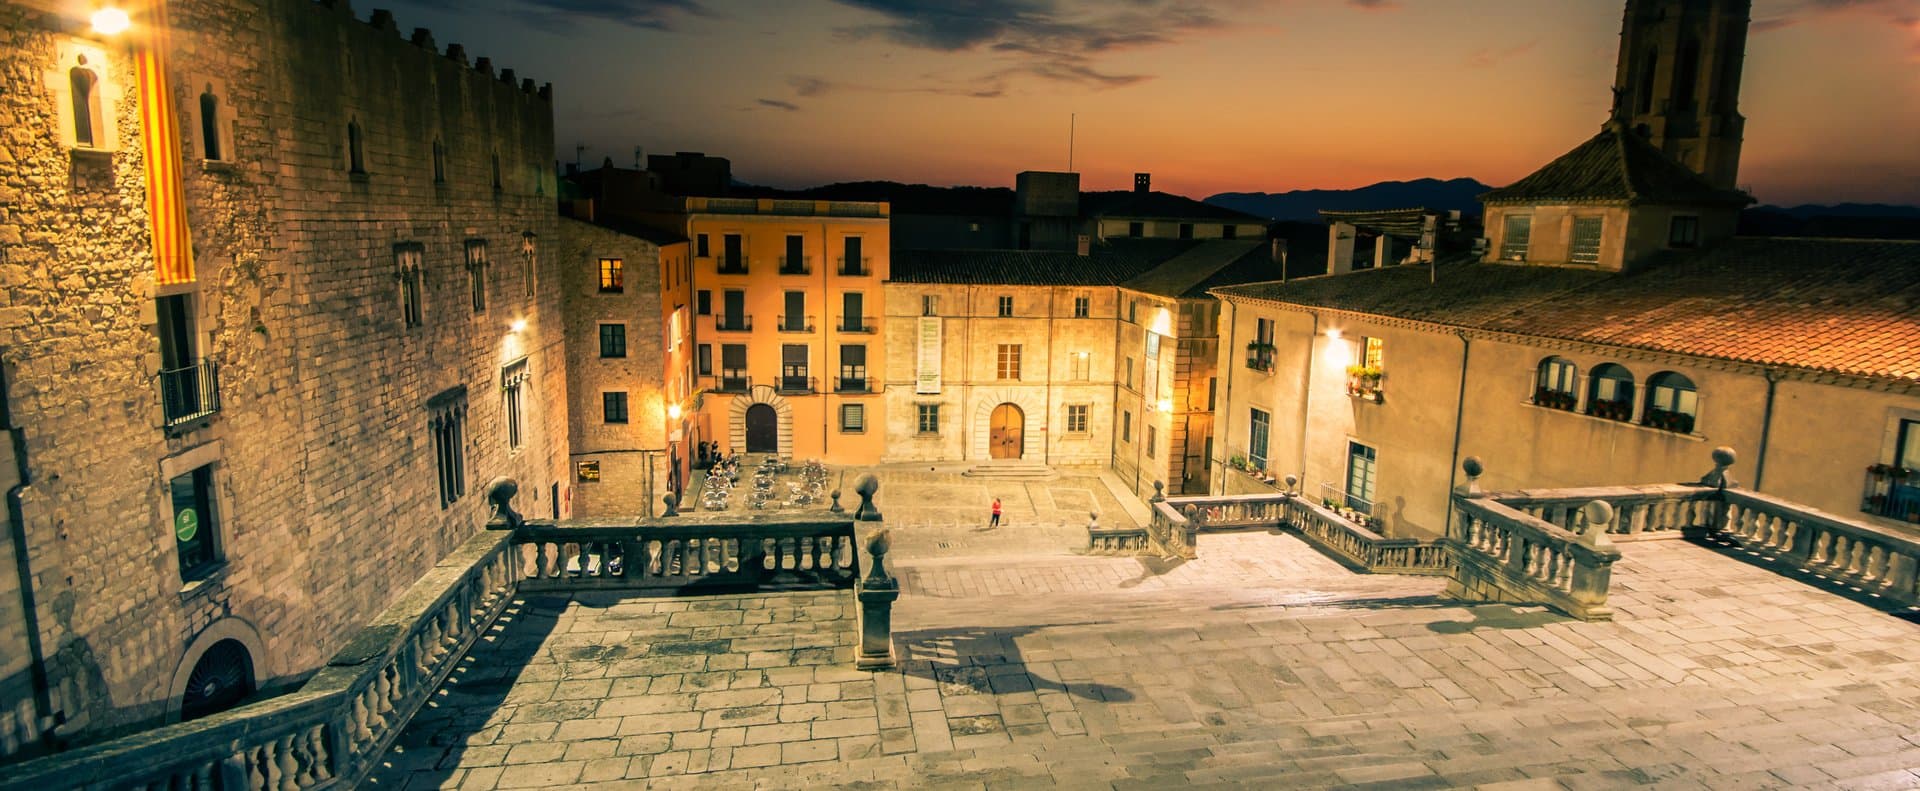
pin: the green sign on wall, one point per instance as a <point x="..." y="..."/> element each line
<point x="186" y="524"/>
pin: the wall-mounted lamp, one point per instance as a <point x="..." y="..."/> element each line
<point x="1334" y="334"/>
<point x="1165" y="405"/>
<point x="110" y="21"/>
<point x="673" y="411"/>
<point x="519" y="325"/>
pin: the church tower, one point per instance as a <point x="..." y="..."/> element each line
<point x="1678" y="81"/>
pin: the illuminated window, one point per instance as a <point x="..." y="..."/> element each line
<point x="1371" y="350"/>
<point x="1610" y="392"/>
<point x="1077" y="418"/>
<point x="1079" y="366"/>
<point x="1518" y="234"/>
<point x="1586" y="240"/>
<point x="1009" y="361"/>
<point x="613" y="276"/>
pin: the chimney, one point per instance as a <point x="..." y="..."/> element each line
<point x="1143" y="182"/>
<point x="1278" y="251"/>
<point x="1084" y="245"/>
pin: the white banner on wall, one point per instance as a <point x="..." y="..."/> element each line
<point x="926" y="379"/>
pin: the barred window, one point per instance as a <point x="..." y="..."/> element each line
<point x="1519" y="233"/>
<point x="1586" y="240"/>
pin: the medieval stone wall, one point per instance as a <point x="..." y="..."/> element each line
<point x="622" y="485"/>
<point x="326" y="494"/>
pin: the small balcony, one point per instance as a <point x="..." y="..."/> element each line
<point x="733" y="266"/>
<point x="740" y="323"/>
<point x="863" y="324"/>
<point x="855" y="384"/>
<point x="796" y="324"/>
<point x="1348" y="506"/>
<point x="795" y="384"/>
<point x="1260" y="356"/>
<point x="190" y="395"/>
<point x="856" y="267"/>
<point x="1892" y="492"/>
<point x="796" y="265"/>
<point x="733" y="382"/>
<point x="1363" y="382"/>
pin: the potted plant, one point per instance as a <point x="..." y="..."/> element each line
<point x="1363" y="380"/>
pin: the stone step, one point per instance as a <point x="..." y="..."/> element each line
<point x="1011" y="470"/>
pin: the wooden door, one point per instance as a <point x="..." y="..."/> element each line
<point x="763" y="429"/>
<point x="1004" y="440"/>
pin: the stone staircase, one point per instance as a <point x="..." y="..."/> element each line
<point x="1011" y="469"/>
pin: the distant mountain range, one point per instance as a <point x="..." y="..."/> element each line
<point x="1304" y="205"/>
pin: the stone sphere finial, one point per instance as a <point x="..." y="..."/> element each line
<point x="1159" y="491"/>
<point x="672" y="502"/>
<point x="879" y="543"/>
<point x="1093" y="520"/>
<point x="1292" y="481"/>
<point x="500" y="494"/>
<point x="1598" y="512"/>
<point x="1725" y="456"/>
<point x="866" y="487"/>
<point x="1472" y="467"/>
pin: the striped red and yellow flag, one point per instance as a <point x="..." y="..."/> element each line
<point x="160" y="141"/>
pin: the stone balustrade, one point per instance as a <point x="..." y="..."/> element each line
<point x="1654" y="511"/>
<point x="690" y="554"/>
<point x="1504" y="554"/>
<point x="332" y="730"/>
<point x="1362" y="547"/>
<point x="1872" y="559"/>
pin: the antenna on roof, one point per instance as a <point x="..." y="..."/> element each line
<point x="578" y="149"/>
<point x="1072" y="118"/>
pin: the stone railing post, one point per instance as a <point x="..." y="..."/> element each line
<point x="1159" y="492"/>
<point x="1593" y="568"/>
<point x="877" y="591"/>
<point x="1723" y="459"/>
<point x="672" y="503"/>
<point x="500" y="492"/>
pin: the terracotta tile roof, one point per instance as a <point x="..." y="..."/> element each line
<point x="1181" y="275"/>
<point x="1615" y="165"/>
<point x="1840" y="306"/>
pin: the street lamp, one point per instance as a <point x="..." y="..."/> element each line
<point x="110" y="21"/>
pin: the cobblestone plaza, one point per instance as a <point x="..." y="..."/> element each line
<point x="1026" y="663"/>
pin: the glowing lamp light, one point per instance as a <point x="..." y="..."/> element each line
<point x="519" y="325"/>
<point x="673" y="411"/>
<point x="1334" y="334"/>
<point x="110" y="21"/>
<point x="1166" y="405"/>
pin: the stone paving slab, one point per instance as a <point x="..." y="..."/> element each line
<point x="1262" y="664"/>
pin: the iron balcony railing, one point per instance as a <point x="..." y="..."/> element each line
<point x="791" y="265"/>
<point x="1337" y="498"/>
<point x="190" y="394"/>
<point x="1892" y="492"/>
<point x="796" y="324"/>
<point x="733" y="382"/>
<point x="796" y="384"/>
<point x="854" y="384"/>
<point x="1260" y="357"/>
<point x="733" y="266"/>
<point x="856" y="267"/>
<point x="741" y="323"/>
<point x="857" y="324"/>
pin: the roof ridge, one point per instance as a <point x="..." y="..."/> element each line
<point x="1626" y="169"/>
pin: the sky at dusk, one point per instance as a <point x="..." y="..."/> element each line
<point x="1208" y="95"/>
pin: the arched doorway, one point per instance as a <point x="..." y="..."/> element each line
<point x="763" y="429"/>
<point x="1004" y="440"/>
<point x="221" y="679"/>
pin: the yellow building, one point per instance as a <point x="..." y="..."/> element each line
<point x="788" y="346"/>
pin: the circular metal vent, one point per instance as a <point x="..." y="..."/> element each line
<point x="222" y="678"/>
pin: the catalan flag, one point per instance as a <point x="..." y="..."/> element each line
<point x="160" y="140"/>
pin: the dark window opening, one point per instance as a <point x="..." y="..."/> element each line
<point x="613" y="407"/>
<point x="210" y="125"/>
<point x="86" y="107"/>
<point x="195" y="525"/>
<point x="356" y="149"/>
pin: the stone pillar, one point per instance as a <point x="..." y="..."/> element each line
<point x="1340" y="237"/>
<point x="1383" y="251"/>
<point x="877" y="591"/>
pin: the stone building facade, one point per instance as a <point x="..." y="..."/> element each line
<point x="622" y="339"/>
<point x="278" y="307"/>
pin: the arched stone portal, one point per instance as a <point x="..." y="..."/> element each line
<point x="228" y="655"/>
<point x="1027" y="404"/>
<point x="761" y="395"/>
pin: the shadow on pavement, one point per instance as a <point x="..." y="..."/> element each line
<point x="427" y="752"/>
<point x="969" y="661"/>
<point x="1500" y="616"/>
<point x="1151" y="567"/>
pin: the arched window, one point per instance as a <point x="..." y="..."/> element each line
<point x="1554" y="382"/>
<point x="1672" y="402"/>
<point x="356" y="149"/>
<point x="1686" y="73"/>
<point x="86" y="106"/>
<point x="210" y="124"/>
<point x="1610" y="392"/>
<point x="1644" y="96"/>
<point x="221" y="678"/>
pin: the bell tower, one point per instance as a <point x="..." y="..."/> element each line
<point x="1678" y="81"/>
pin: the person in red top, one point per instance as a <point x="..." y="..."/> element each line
<point x="996" y="513"/>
